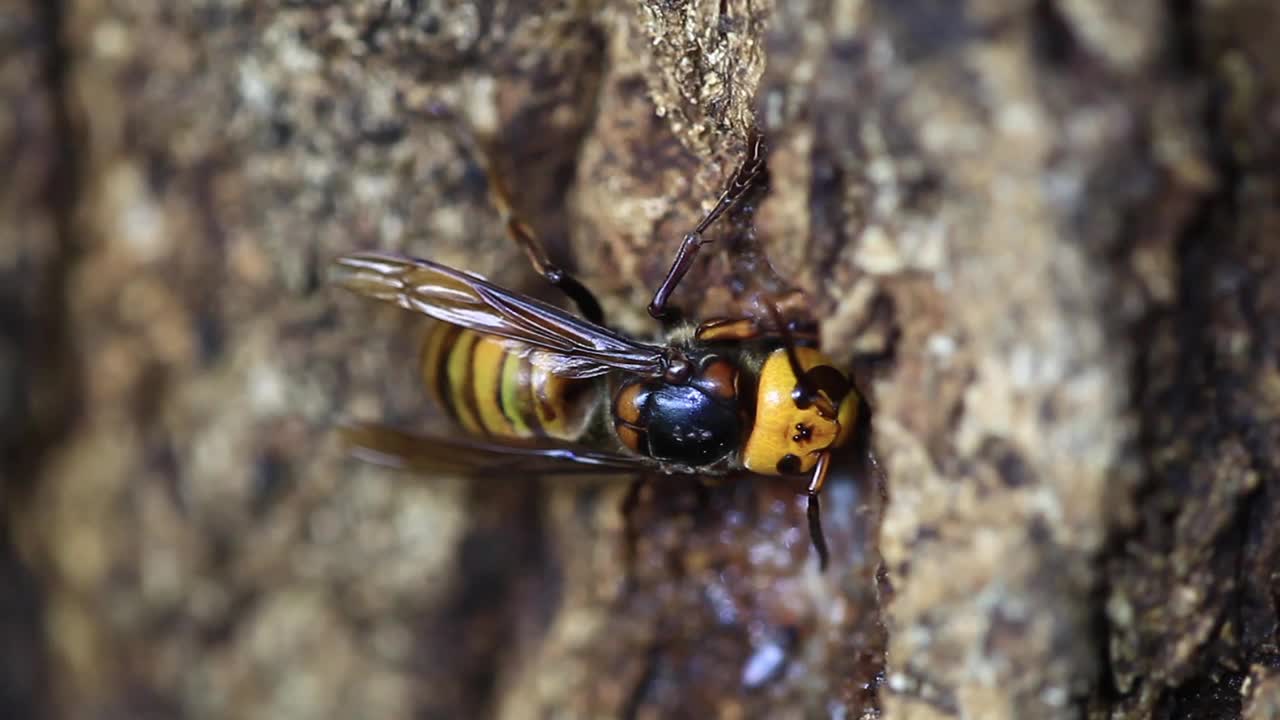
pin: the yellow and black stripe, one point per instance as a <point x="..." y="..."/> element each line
<point x="495" y="387"/>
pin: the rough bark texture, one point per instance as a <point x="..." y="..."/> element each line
<point x="1046" y="235"/>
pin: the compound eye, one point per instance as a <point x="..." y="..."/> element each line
<point x="789" y="465"/>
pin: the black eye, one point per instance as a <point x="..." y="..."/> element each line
<point x="803" y="433"/>
<point x="789" y="465"/>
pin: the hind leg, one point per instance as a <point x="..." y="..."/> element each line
<point x="517" y="229"/>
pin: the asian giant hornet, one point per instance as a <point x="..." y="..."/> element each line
<point x="539" y="390"/>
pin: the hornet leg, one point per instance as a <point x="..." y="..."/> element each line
<point x="815" y="509"/>
<point x="749" y="175"/>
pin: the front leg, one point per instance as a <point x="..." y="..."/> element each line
<point x="765" y="316"/>
<point x="816" y="481"/>
<point x="750" y="174"/>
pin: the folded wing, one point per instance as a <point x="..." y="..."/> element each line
<point x="392" y="447"/>
<point x="573" y="347"/>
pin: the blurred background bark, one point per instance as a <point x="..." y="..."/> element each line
<point x="1045" y="233"/>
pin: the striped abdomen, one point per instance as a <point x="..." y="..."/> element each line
<point x="490" y="387"/>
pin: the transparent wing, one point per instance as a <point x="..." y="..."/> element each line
<point x="392" y="447"/>
<point x="573" y="347"/>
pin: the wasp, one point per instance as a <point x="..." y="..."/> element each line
<point x="535" y="389"/>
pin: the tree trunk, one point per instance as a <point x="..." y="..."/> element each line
<point x="1045" y="236"/>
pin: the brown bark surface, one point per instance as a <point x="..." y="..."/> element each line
<point x="1044" y="234"/>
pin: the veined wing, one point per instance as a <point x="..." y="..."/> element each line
<point x="392" y="447"/>
<point x="576" y="348"/>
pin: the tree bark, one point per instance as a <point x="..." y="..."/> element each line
<point x="1044" y="234"/>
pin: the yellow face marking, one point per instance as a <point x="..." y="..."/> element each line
<point x="781" y="428"/>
